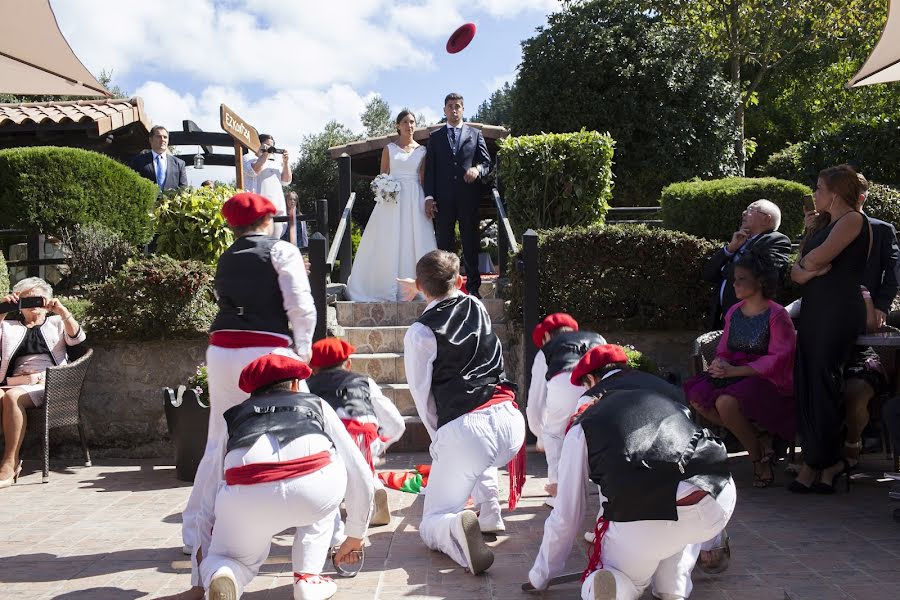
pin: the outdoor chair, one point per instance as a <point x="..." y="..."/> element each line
<point x="62" y="405"/>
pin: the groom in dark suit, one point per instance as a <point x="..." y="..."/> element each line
<point x="157" y="165"/>
<point x="456" y="160"/>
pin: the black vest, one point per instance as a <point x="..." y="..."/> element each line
<point x="640" y="446"/>
<point x="565" y="349"/>
<point x="469" y="362"/>
<point x="343" y="389"/>
<point x="247" y="289"/>
<point x="284" y="415"/>
<point x="632" y="379"/>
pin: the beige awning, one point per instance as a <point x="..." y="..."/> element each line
<point x="883" y="65"/>
<point x="35" y="58"/>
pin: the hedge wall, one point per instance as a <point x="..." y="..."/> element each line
<point x="620" y="277"/>
<point x="47" y="189"/>
<point x="883" y="203"/>
<point x="712" y="209"/>
<point x="4" y="276"/>
<point x="556" y="179"/>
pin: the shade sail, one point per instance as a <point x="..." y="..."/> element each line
<point x="35" y="58"/>
<point x="883" y="65"/>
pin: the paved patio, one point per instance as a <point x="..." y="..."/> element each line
<point x="113" y="532"/>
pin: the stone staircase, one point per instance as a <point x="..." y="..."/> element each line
<point x="377" y="329"/>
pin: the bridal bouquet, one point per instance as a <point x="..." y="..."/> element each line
<point x="386" y="188"/>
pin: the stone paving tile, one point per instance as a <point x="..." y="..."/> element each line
<point x="112" y="531"/>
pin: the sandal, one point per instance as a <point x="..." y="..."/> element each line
<point x="759" y="481"/>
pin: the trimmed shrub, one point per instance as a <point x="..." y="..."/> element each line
<point x="620" y="277"/>
<point x="871" y="147"/>
<point x="190" y="223"/>
<point x="556" y="179"/>
<point x="786" y="164"/>
<point x="94" y="254"/>
<point x="153" y="298"/>
<point x="77" y="306"/>
<point x="883" y="203"/>
<point x="47" y="189"/>
<point x="640" y="361"/>
<point x="712" y="209"/>
<point x="4" y="275"/>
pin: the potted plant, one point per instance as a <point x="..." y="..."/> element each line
<point x="187" y="416"/>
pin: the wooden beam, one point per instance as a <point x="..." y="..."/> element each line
<point x="200" y="138"/>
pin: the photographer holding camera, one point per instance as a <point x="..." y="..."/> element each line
<point x="266" y="173"/>
<point x="29" y="344"/>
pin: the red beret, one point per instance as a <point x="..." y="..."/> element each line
<point x="245" y="209"/>
<point x="550" y="324"/>
<point x="272" y="368"/>
<point x="597" y="358"/>
<point x="330" y="351"/>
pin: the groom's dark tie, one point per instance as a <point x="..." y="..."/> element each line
<point x="452" y="133"/>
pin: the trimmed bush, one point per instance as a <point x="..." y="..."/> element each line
<point x="871" y="147"/>
<point x="46" y="189"/>
<point x="712" y="209"/>
<point x="77" y="306"/>
<point x="190" y="223"/>
<point x="556" y="179"/>
<point x="153" y="298"/>
<point x="785" y="164"/>
<point x="620" y="277"/>
<point x="640" y="361"/>
<point x="883" y="203"/>
<point x="4" y="275"/>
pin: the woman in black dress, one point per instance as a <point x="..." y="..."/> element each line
<point x="833" y="314"/>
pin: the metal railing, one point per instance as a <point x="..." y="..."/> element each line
<point x="622" y="215"/>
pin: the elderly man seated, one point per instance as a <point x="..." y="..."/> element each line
<point x="759" y="230"/>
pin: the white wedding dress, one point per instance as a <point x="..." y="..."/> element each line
<point x="396" y="236"/>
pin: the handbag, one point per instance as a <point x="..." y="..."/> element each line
<point x="29" y="379"/>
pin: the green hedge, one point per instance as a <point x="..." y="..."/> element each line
<point x="47" y="189"/>
<point x="883" y="203"/>
<point x="620" y="277"/>
<point x="151" y="299"/>
<point x="556" y="179"/>
<point x="873" y="148"/>
<point x="4" y="276"/>
<point x="712" y="209"/>
<point x="190" y="224"/>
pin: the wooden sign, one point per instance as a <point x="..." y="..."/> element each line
<point x="239" y="129"/>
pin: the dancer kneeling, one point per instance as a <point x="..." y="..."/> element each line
<point x="371" y="419"/>
<point x="454" y="366"/>
<point x="665" y="488"/>
<point x="289" y="462"/>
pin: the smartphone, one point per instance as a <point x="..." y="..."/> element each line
<point x="8" y="307"/>
<point x="809" y="204"/>
<point x="31" y="302"/>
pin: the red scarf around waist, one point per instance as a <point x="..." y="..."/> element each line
<point x="247" y="339"/>
<point x="515" y="467"/>
<point x="363" y="435"/>
<point x="264" y="472"/>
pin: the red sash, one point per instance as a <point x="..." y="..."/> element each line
<point x="264" y="472"/>
<point x="247" y="339"/>
<point x="363" y="434"/>
<point x="596" y="561"/>
<point x="515" y="467"/>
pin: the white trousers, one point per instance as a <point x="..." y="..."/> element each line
<point x="465" y="454"/>
<point x="562" y="401"/>
<point x="661" y="553"/>
<point x="247" y="516"/>
<point x="338" y="536"/>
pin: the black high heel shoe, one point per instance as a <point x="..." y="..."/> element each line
<point x="798" y="488"/>
<point x="820" y="487"/>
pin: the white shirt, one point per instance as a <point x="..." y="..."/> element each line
<point x="295" y="291"/>
<point x="537" y="395"/>
<point x="163" y="164"/>
<point x="730" y="256"/>
<point x="419" y="352"/>
<point x="268" y="182"/>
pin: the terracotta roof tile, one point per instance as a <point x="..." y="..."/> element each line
<point x="108" y="114"/>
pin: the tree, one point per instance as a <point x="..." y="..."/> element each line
<point x="316" y="173"/>
<point x="497" y="109"/>
<point x="756" y="37"/>
<point x="667" y="107"/>
<point x="377" y="118"/>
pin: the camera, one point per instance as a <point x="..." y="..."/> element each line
<point x="274" y="150"/>
<point x="30" y="302"/>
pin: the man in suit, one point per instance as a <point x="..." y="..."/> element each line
<point x="157" y="165"/>
<point x="759" y="230"/>
<point x="457" y="158"/>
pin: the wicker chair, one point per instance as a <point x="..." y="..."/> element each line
<point x="62" y="404"/>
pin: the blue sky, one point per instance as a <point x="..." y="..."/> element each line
<point x="288" y="67"/>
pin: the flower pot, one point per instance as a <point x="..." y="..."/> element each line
<point x="188" y="420"/>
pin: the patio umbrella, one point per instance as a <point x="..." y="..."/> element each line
<point x="35" y="58"/>
<point x="883" y="65"/>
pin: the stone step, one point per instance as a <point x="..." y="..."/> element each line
<point x="369" y="340"/>
<point x="399" y="394"/>
<point x="383" y="367"/>
<point x="392" y="314"/>
<point x="415" y="438"/>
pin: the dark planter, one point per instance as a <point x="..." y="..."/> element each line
<point x="188" y="420"/>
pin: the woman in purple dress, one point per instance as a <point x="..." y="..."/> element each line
<point x="751" y="379"/>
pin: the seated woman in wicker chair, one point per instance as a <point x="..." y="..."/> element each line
<point x="751" y="379"/>
<point x="28" y="345"/>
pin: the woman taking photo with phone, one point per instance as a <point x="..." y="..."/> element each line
<point x="37" y="339"/>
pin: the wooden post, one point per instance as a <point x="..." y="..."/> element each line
<point x="322" y="220"/>
<point x="345" y="254"/>
<point x="318" y="252"/>
<point x="292" y="223"/>
<point x="530" y="301"/>
<point x="238" y="166"/>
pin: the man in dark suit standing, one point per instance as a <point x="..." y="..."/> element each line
<point x="157" y="165"/>
<point x="759" y="231"/>
<point x="456" y="159"/>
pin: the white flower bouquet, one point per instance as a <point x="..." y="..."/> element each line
<point x="386" y="188"/>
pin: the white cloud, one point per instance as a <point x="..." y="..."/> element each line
<point x="511" y="8"/>
<point x="492" y="85"/>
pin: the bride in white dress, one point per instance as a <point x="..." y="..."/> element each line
<point x="398" y="234"/>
